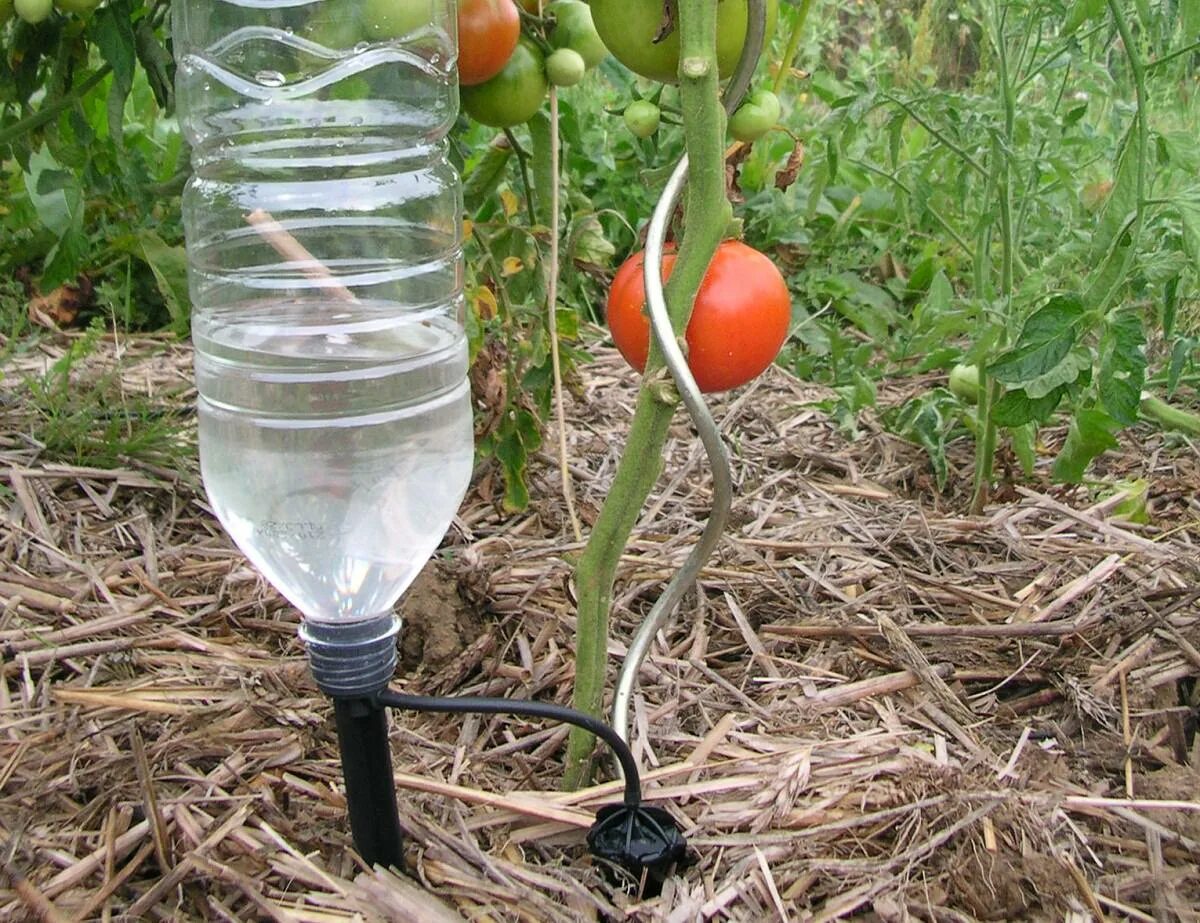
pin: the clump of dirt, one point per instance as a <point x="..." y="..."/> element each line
<point x="438" y="622"/>
<point x="1172" y="783"/>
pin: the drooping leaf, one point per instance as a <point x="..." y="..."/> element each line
<point x="1075" y="365"/>
<point x="1189" y="213"/>
<point x="1122" y="366"/>
<point x="1170" y="306"/>
<point x="1016" y="408"/>
<point x="1112" y="238"/>
<point x="924" y="421"/>
<point x="1082" y="11"/>
<point x="1045" y="340"/>
<point x="481" y="183"/>
<point x="1090" y="434"/>
<point x="66" y="259"/>
<point x="111" y="28"/>
<point x="169" y="265"/>
<point x="55" y="193"/>
<point x="1024" y="445"/>
<point x="156" y="62"/>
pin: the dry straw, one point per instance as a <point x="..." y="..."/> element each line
<point x="872" y="706"/>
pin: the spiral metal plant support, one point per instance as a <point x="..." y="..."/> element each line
<point x="689" y="392"/>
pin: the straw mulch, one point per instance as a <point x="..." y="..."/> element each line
<point x="873" y="706"/>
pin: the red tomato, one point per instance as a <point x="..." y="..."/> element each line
<point x="737" y="328"/>
<point x="487" y="34"/>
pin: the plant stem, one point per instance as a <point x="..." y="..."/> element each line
<point x="793" y="45"/>
<point x="1001" y="164"/>
<point x="523" y="164"/>
<point x="1170" y="417"/>
<point x="49" y="111"/>
<point x="708" y="214"/>
<point x="1141" y="140"/>
<point x="552" y="321"/>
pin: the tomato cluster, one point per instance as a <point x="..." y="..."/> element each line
<point x="504" y="75"/>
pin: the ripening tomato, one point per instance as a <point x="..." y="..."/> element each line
<point x="487" y="35"/>
<point x="630" y="27"/>
<point x="737" y="327"/>
<point x="514" y="95"/>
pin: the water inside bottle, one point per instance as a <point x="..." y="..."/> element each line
<point x="335" y="452"/>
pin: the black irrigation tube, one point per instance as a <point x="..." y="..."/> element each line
<point x="525" y="708"/>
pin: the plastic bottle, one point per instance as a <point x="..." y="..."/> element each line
<point x="325" y="268"/>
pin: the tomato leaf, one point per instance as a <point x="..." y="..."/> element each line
<point x="1016" y="408"/>
<point x="169" y="266"/>
<point x="1189" y="213"/>
<point x="1122" y="366"/>
<point x="1082" y="11"/>
<point x="1024" y="446"/>
<point x="1090" y="434"/>
<point x="1045" y="340"/>
<point x="111" y="28"/>
<point x="924" y="421"/>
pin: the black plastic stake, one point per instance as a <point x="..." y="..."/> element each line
<point x="370" y="787"/>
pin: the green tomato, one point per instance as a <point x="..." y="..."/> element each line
<point x="964" y="383"/>
<point x="78" y="7"/>
<point x="574" y="29"/>
<point x="642" y="118"/>
<point x="565" y="67"/>
<point x="514" y="95"/>
<point x="389" y="19"/>
<point x="756" y="116"/>
<point x="33" y="11"/>
<point x="334" y="29"/>
<point x="628" y="28"/>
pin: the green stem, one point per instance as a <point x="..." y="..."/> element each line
<point x="1167" y="58"/>
<point x="523" y="164"/>
<point x="793" y="45"/>
<point x="1170" y="417"/>
<point x="1142" y="149"/>
<point x="50" y="111"/>
<point x="1001" y="163"/>
<point x="937" y="133"/>
<point x="708" y="215"/>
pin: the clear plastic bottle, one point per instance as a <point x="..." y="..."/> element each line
<point x="325" y="261"/>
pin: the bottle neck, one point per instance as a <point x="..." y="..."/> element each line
<point x="352" y="658"/>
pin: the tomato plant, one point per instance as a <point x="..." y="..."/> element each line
<point x="515" y="94"/>
<point x="488" y="31"/>
<point x="737" y="327"/>
<point x="630" y="29"/>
